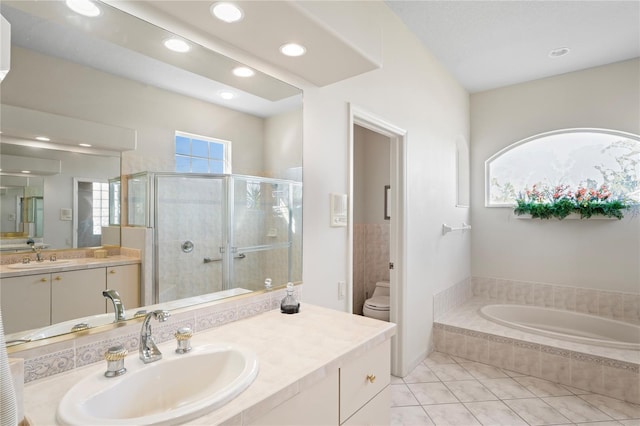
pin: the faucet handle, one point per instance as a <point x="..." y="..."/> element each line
<point x="115" y="356"/>
<point x="183" y="336"/>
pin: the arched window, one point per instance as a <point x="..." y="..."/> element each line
<point x="568" y="160"/>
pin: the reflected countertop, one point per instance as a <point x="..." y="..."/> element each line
<point x="66" y="264"/>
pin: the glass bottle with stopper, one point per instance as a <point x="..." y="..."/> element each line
<point x="289" y="305"/>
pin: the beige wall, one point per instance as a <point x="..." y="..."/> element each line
<point x="154" y="113"/>
<point x="595" y="254"/>
<point x="413" y="91"/>
<point x="371" y="174"/>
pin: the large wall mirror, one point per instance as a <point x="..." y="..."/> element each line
<point x="110" y="99"/>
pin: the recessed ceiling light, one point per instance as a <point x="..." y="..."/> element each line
<point x="84" y="7"/>
<point x="25" y="171"/>
<point x="227" y="12"/>
<point x="292" y="49"/>
<point x="42" y="138"/>
<point x="560" y="51"/>
<point x="243" y="72"/>
<point x="225" y="94"/>
<point x="85" y="144"/>
<point x="177" y="45"/>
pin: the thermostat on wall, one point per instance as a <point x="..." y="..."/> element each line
<point x="338" y="210"/>
<point x="66" y="214"/>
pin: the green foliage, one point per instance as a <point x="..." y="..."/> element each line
<point x="560" y="202"/>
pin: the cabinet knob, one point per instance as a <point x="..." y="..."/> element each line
<point x="58" y="278"/>
<point x="113" y="271"/>
<point x="43" y="280"/>
<point x="371" y="378"/>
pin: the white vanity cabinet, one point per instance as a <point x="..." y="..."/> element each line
<point x="364" y="388"/>
<point x="39" y="300"/>
<point x="26" y="302"/>
<point x="357" y="393"/>
<point x="125" y="280"/>
<point x="315" y="406"/>
<point x="76" y="294"/>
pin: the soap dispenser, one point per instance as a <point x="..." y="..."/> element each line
<point x="289" y="305"/>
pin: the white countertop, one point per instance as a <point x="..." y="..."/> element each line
<point x="294" y="351"/>
<point x="69" y="265"/>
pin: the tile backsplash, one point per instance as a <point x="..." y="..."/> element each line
<point x="55" y="358"/>
<point x="616" y="305"/>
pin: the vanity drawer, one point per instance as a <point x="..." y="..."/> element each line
<point x="363" y="378"/>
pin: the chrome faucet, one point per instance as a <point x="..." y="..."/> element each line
<point x="36" y="250"/>
<point x="118" y="307"/>
<point x="149" y="352"/>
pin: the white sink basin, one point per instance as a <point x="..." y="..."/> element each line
<point x="38" y="265"/>
<point x="173" y="390"/>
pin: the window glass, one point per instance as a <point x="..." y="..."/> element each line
<point x="200" y="154"/>
<point x="199" y="148"/>
<point x="572" y="159"/>
<point x="183" y="145"/>
<point x="183" y="164"/>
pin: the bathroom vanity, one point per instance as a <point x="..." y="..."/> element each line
<point x="317" y="367"/>
<point x="52" y="289"/>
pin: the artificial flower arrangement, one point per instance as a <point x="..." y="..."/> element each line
<point x="545" y="202"/>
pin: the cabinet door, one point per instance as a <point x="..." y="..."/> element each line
<point x="76" y="294"/>
<point x="317" y="405"/>
<point x="126" y="281"/>
<point x="363" y="378"/>
<point x="375" y="413"/>
<point x="25" y="302"/>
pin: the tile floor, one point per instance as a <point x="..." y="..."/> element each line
<point x="446" y="390"/>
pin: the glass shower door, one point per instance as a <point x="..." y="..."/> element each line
<point x="266" y="226"/>
<point x="190" y="235"/>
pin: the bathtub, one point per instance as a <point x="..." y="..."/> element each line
<point x="566" y="325"/>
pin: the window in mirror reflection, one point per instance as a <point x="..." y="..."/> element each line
<point x="202" y="154"/>
<point x="100" y="207"/>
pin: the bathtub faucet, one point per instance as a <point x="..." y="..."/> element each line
<point x="36" y="250"/>
<point x="118" y="307"/>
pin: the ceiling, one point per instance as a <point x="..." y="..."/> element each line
<point x="126" y="46"/>
<point x="490" y="44"/>
<point x="267" y="25"/>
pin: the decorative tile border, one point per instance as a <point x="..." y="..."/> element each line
<point x="584" y="371"/>
<point x="56" y="358"/>
<point x="48" y="365"/>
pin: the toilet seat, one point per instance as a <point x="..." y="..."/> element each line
<point x="377" y="307"/>
<point x="378" y="303"/>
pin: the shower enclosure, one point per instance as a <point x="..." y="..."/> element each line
<point x="218" y="232"/>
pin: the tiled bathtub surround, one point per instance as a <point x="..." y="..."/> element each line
<point x="454" y="296"/>
<point x="609" y="304"/>
<point x="51" y="359"/>
<point x="613" y="372"/>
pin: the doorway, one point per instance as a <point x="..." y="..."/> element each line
<point x="389" y="203"/>
<point x="90" y="211"/>
<point x="371" y="218"/>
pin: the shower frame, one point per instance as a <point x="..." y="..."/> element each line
<point x="228" y="251"/>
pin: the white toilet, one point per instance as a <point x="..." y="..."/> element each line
<point x="378" y="305"/>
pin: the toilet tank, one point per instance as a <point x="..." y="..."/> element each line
<point x="382" y="289"/>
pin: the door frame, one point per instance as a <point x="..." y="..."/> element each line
<point x="397" y="240"/>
